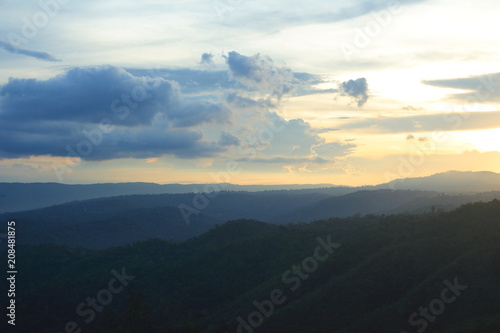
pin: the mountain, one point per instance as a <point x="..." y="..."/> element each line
<point x="361" y="202"/>
<point x="121" y="228"/>
<point x="395" y="273"/>
<point x="25" y="196"/>
<point x="105" y="222"/>
<point x="383" y="202"/>
<point x="121" y="220"/>
<point x="449" y="182"/>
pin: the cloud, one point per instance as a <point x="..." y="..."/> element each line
<point x="296" y="144"/>
<point x="295" y="139"/>
<point x="196" y="81"/>
<point x="299" y="13"/>
<point x="411" y="137"/>
<point x="150" y="116"/>
<point x="195" y="113"/>
<point x="412" y="108"/>
<point x="356" y="89"/>
<point x="154" y="142"/>
<point x="246" y="102"/>
<point x="451" y="121"/>
<point x="30" y="53"/>
<point x="94" y="143"/>
<point x="227" y="139"/>
<point x="260" y="73"/>
<point x="328" y="129"/>
<point x="287" y="160"/>
<point x="89" y="94"/>
<point x="207" y="59"/>
<point x="484" y="88"/>
<point x="157" y="112"/>
<point x="334" y="149"/>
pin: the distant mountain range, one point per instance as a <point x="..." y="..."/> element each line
<point x="121" y="220"/>
<point x="449" y="182"/>
<point x="24" y="196"/>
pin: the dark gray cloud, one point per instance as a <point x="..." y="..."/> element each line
<point x="195" y="81"/>
<point x="89" y="94"/>
<point x="157" y="112"/>
<point x="227" y="139"/>
<point x="195" y="113"/>
<point x="312" y="91"/>
<point x="30" y="53"/>
<point x="308" y="84"/>
<point x="484" y="88"/>
<point x="261" y="73"/>
<point x="356" y="89"/>
<point x="207" y="59"/>
<point x="44" y="117"/>
<point x="90" y="143"/>
<point x="191" y="81"/>
<point x="245" y="102"/>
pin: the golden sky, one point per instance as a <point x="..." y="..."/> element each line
<point x="247" y="92"/>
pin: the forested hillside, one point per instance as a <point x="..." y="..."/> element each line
<point x="104" y="222"/>
<point x="434" y="272"/>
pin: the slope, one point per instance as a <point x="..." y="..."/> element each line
<point x="385" y="269"/>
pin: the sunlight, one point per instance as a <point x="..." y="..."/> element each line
<point x="483" y="140"/>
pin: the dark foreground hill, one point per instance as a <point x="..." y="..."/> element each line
<point x="433" y="272"/>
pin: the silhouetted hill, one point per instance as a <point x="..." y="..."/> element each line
<point x="25" y="196"/>
<point x="383" y="202"/>
<point x="105" y="222"/>
<point x="125" y="227"/>
<point x="362" y="202"/>
<point x="435" y="272"/>
<point x="448" y="182"/>
<point x="19" y="196"/>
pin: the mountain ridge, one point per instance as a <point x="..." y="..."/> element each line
<point x="17" y="196"/>
<point x="121" y="220"/>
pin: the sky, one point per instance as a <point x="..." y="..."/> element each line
<point x="247" y="92"/>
